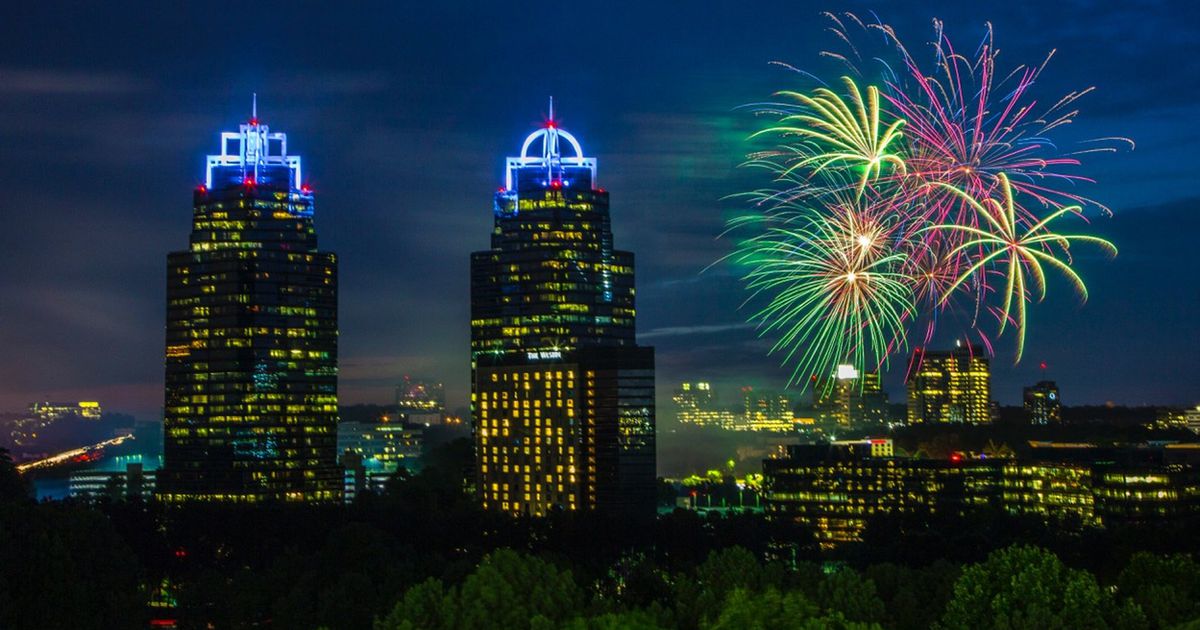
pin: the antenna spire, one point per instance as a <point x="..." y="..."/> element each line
<point x="254" y="106"/>
<point x="551" y="109"/>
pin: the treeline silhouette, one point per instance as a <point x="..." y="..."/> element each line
<point x="423" y="555"/>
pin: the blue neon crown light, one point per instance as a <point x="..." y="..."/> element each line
<point x="252" y="147"/>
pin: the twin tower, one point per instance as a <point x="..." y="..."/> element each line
<point x="562" y="396"/>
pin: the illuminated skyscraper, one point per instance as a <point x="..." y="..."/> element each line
<point x="251" y="344"/>
<point x="952" y="386"/>
<point x="1042" y="403"/>
<point x="552" y="279"/>
<point x="562" y="395"/>
<point x="851" y="399"/>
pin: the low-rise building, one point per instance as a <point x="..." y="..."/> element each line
<point x="371" y="452"/>
<point x="837" y="488"/>
<point x="133" y="481"/>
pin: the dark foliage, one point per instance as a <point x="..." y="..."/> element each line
<point x="423" y="555"/>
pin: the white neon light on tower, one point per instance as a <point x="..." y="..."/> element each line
<point x="551" y="158"/>
<point x="256" y="146"/>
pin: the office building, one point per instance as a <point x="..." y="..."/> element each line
<point x="563" y="397"/>
<point x="851" y="398"/>
<point x="371" y="452"/>
<point x="52" y="411"/>
<point x="421" y="401"/>
<point x="837" y="489"/>
<point x="133" y="481"/>
<point x="1169" y="418"/>
<point x="385" y="446"/>
<point x="251" y="341"/>
<point x="767" y="410"/>
<point x="1042" y="404"/>
<point x="953" y="386"/>
<point x="696" y="405"/>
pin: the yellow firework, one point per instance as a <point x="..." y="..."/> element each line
<point x="1003" y="239"/>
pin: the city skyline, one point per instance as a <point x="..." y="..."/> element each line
<point x="81" y="330"/>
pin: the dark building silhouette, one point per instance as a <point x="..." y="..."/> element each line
<point x="563" y="397"/>
<point x="1042" y="403"/>
<point x="251" y="342"/>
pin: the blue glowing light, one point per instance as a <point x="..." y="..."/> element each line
<point x="255" y="152"/>
<point x="551" y="158"/>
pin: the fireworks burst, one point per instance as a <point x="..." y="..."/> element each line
<point x="835" y="133"/>
<point x="1018" y="253"/>
<point x="836" y="288"/>
<point x="893" y="201"/>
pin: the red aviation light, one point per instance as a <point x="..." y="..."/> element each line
<point x="306" y="189"/>
<point x="249" y="181"/>
<point x="556" y="184"/>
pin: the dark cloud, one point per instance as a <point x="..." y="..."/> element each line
<point x="51" y="82"/>
<point x="690" y="331"/>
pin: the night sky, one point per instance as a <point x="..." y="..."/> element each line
<point x="404" y="114"/>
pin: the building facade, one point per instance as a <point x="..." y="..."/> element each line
<point x="51" y="411"/>
<point x="251" y="341"/>
<point x="563" y="397"/>
<point x="837" y="489"/>
<point x="372" y="452"/>
<point x="696" y="405"/>
<point x="421" y="401"/>
<point x="767" y="410"/>
<point x="133" y="481"/>
<point x="1042" y="404"/>
<point x="953" y="386"/>
<point x="851" y="398"/>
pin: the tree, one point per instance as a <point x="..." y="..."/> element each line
<point x="734" y="567"/>
<point x="63" y="566"/>
<point x="849" y="593"/>
<point x="509" y="589"/>
<point x="13" y="486"/>
<point x="629" y="620"/>
<point x="442" y="482"/>
<point x="1026" y="587"/>
<point x="426" y="606"/>
<point x="724" y="570"/>
<point x="772" y="610"/>
<point x="1167" y="588"/>
<point x="914" y="598"/>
